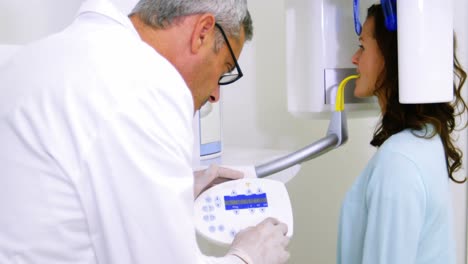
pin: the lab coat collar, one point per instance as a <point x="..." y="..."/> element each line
<point x="106" y="8"/>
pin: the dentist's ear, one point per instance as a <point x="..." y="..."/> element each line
<point x="203" y="32"/>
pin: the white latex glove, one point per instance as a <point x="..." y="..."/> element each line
<point x="205" y="179"/>
<point x="264" y="243"/>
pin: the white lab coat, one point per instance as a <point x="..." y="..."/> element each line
<point x="96" y="144"/>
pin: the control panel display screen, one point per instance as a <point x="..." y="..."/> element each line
<point x="245" y="201"/>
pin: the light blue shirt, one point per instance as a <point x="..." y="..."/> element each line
<point x="399" y="209"/>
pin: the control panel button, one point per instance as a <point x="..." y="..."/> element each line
<point x="233" y="233"/>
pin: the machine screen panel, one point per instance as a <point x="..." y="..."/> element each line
<point x="245" y="201"/>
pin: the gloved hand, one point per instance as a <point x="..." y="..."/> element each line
<point x="205" y="179"/>
<point x="264" y="243"/>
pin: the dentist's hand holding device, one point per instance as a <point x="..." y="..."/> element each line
<point x="253" y="215"/>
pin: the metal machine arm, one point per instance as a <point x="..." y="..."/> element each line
<point x="337" y="135"/>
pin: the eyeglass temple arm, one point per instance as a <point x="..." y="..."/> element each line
<point x="337" y="135"/>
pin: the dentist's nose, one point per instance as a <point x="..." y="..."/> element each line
<point x="214" y="96"/>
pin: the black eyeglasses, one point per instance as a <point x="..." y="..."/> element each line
<point x="231" y="76"/>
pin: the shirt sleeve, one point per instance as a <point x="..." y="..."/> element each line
<point x="395" y="200"/>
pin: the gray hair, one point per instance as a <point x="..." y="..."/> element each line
<point x="229" y="14"/>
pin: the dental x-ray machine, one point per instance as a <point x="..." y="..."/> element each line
<point x="318" y="56"/>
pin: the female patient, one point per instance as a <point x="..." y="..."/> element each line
<point x="399" y="209"/>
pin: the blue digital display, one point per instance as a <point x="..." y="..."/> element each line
<point x="245" y="201"/>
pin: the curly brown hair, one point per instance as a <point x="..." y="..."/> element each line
<point x="397" y="117"/>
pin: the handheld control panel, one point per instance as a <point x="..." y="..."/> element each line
<point x="227" y="208"/>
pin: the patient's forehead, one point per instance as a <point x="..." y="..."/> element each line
<point x="368" y="29"/>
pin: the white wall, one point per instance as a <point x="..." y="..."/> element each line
<point x="255" y="115"/>
<point x="23" y="21"/>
